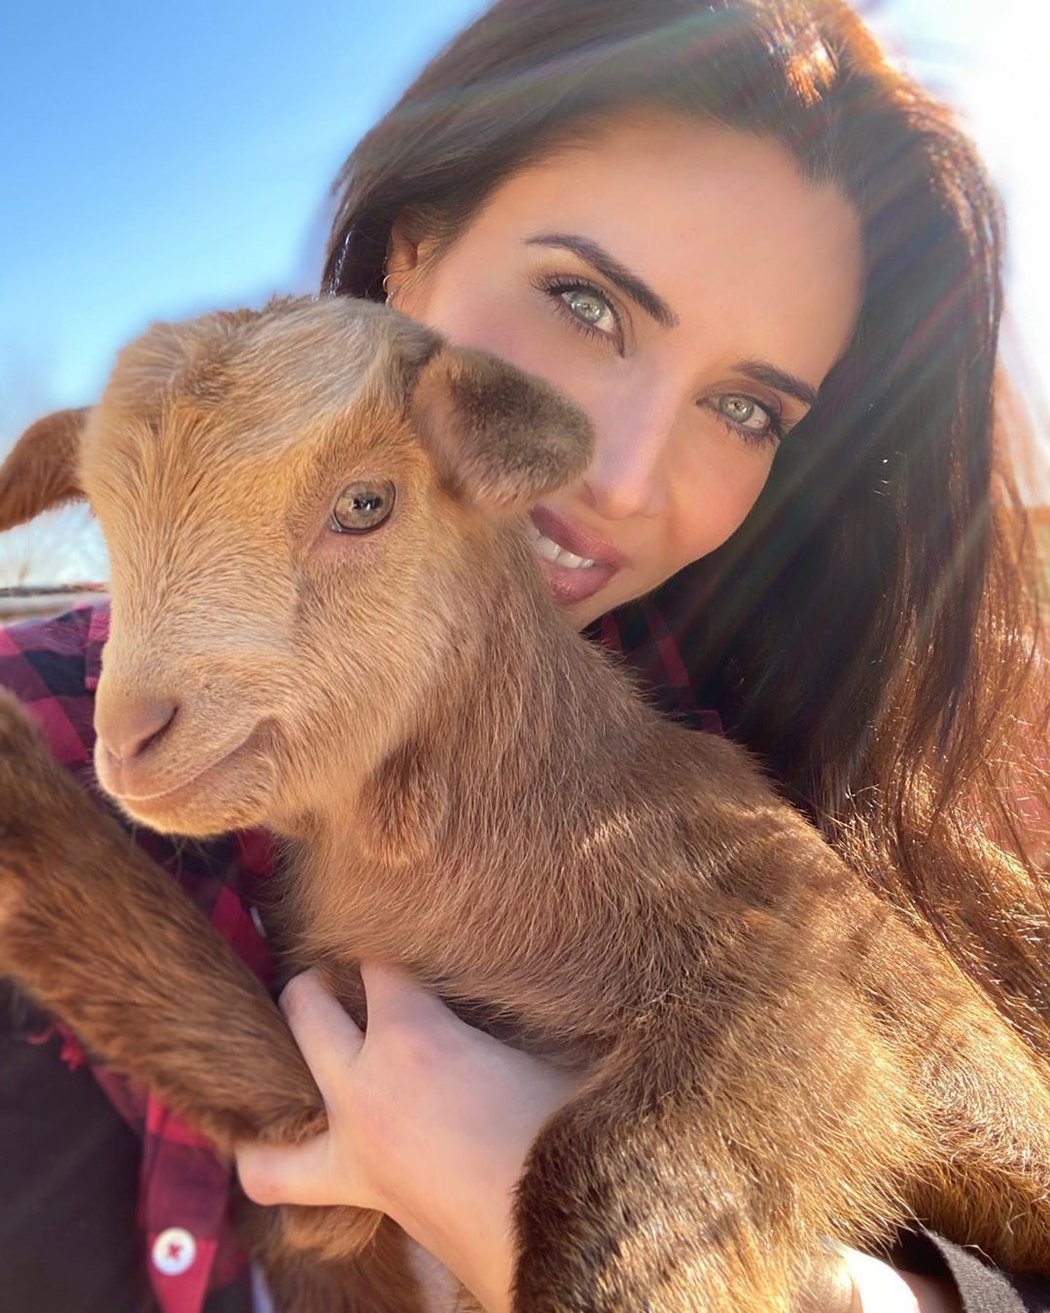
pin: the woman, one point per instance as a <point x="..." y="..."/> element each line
<point x="768" y="267"/>
<point x="631" y="200"/>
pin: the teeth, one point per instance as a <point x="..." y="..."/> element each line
<point x="574" y="562"/>
<point x="550" y="551"/>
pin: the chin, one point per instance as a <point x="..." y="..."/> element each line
<point x="582" y="614"/>
<point x="204" y="818"/>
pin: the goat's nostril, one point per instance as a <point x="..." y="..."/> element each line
<point x="130" y="732"/>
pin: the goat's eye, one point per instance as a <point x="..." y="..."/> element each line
<point x="362" y="506"/>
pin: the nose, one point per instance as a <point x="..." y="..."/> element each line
<point x="128" y="729"/>
<point x="626" y="477"/>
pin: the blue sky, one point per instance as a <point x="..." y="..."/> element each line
<point x="162" y="158"/>
<point x="159" y="160"/>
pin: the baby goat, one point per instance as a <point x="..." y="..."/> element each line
<point x="327" y="619"/>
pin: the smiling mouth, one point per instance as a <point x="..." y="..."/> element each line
<point x="575" y="563"/>
<point x="549" y="550"/>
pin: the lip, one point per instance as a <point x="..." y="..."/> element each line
<point x="567" y="585"/>
<point x="576" y="539"/>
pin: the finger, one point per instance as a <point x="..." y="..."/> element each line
<point x="291" y="1174"/>
<point x="326" y="1034"/>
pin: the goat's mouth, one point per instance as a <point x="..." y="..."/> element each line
<point x="225" y="793"/>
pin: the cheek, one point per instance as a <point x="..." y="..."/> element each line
<point x="513" y="327"/>
<point x="486" y="326"/>
<point x="709" y="503"/>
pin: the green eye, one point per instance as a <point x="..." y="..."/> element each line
<point x="586" y="306"/>
<point x="588" y="309"/>
<point x="744" y="411"/>
<point x="362" y="506"/>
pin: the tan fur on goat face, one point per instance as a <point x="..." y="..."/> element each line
<point x="292" y="653"/>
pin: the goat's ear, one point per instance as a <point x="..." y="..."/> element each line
<point x="500" y="438"/>
<point x="41" y="469"/>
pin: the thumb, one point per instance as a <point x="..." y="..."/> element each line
<point x="294" y="1173"/>
<point x="326" y="1034"/>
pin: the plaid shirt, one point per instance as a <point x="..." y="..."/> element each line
<point x="184" y="1191"/>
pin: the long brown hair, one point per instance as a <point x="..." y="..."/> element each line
<point x="870" y="631"/>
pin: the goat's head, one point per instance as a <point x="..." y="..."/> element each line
<point x="298" y="506"/>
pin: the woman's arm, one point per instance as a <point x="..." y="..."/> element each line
<point x="424" y="1098"/>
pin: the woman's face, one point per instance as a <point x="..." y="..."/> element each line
<point x="690" y="291"/>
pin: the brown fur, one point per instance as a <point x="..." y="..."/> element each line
<point x="774" y="1055"/>
<point x="39" y="472"/>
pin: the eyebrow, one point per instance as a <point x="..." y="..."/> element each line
<point x="657" y="308"/>
<point x="618" y="274"/>
<point x="778" y="379"/>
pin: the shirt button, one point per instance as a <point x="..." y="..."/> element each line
<point x="174" y="1251"/>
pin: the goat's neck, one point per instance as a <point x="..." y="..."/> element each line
<point x="525" y="708"/>
<point x="536" y="692"/>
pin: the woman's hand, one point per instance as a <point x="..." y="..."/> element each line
<point x="430" y="1122"/>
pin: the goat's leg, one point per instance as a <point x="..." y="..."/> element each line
<point x="985" y="1091"/>
<point x="990" y="1097"/>
<point x="367" y="1269"/>
<point x="613" y="1216"/>
<point x="104" y="939"/>
<point x="697" y="1172"/>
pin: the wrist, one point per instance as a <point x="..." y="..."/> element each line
<point x="479" y="1253"/>
<point x="486" y="1268"/>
